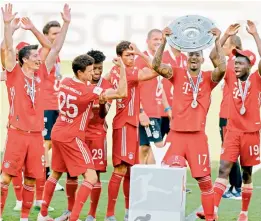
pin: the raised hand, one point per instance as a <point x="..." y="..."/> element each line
<point x="251" y="27"/>
<point x="166" y="32"/>
<point x="232" y="29"/>
<point x="135" y="49"/>
<point x="27" y="24"/>
<point x="66" y="14"/>
<point x="215" y="32"/>
<point x="8" y="14"/>
<point x="118" y="61"/>
<point x="16" y="24"/>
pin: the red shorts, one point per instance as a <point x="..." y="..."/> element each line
<point x="98" y="148"/>
<point x="193" y="147"/>
<point x="125" y="147"/>
<point x="73" y="157"/>
<point x="24" y="151"/>
<point x="245" y="145"/>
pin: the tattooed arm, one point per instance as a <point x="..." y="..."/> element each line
<point x="162" y="69"/>
<point x="220" y="70"/>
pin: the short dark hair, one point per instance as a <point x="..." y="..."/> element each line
<point x="25" y="52"/>
<point x="152" y="31"/>
<point x="81" y="62"/>
<point x="98" y="56"/>
<point x="49" y="25"/>
<point x="236" y="41"/>
<point x="122" y="46"/>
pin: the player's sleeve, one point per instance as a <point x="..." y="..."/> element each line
<point x="105" y="84"/>
<point x="43" y="71"/>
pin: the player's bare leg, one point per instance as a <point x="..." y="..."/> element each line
<point x="247" y="190"/>
<point x="95" y="196"/>
<point x="5" y="182"/>
<point x="49" y="189"/>
<point x="151" y="159"/>
<point x="220" y="185"/>
<point x="113" y="190"/>
<point x="90" y="179"/>
<point x="143" y="154"/>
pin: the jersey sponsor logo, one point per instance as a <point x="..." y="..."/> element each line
<point x="186" y="88"/>
<point x="97" y="90"/>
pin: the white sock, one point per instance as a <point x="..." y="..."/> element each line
<point x="244" y="212"/>
<point x="215" y="210"/>
<point x="23" y="219"/>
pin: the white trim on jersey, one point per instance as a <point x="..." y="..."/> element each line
<point x="123" y="142"/>
<point x="12" y="95"/>
<point x="131" y="103"/>
<point x="85" y="117"/>
<point x="105" y="148"/>
<point x="83" y="151"/>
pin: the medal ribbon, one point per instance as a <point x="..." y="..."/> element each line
<point x="243" y="93"/>
<point x="195" y="88"/>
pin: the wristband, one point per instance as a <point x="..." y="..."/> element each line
<point x="167" y="109"/>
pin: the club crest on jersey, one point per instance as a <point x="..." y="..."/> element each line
<point x="97" y="90"/>
<point x="131" y="156"/>
<point x="6" y="164"/>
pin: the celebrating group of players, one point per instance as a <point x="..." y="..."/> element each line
<point x="157" y="93"/>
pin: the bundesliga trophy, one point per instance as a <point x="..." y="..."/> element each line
<point x="158" y="192"/>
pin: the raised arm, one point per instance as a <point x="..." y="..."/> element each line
<point x="231" y="30"/>
<point x="220" y="69"/>
<point x="59" y="41"/>
<point x="27" y="24"/>
<point x="252" y="30"/>
<point x="15" y="25"/>
<point x="8" y="17"/>
<point x="122" y="90"/>
<point x="162" y="69"/>
<point x="146" y="74"/>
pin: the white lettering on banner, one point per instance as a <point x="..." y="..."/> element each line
<point x="104" y="20"/>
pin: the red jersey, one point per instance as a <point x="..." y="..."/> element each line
<point x="75" y="103"/>
<point x="127" y="109"/>
<point x="150" y="92"/>
<point x="225" y="100"/>
<point x="178" y="61"/>
<point x="51" y="88"/>
<point x="97" y="126"/>
<point x="250" y="120"/>
<point x="25" y="98"/>
<point x="185" y="118"/>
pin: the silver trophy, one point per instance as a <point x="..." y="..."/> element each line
<point x="191" y="33"/>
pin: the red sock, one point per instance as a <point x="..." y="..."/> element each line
<point x="113" y="191"/>
<point x="28" y="198"/>
<point x="81" y="197"/>
<point x="246" y="197"/>
<point x="207" y="196"/>
<point x="49" y="188"/>
<point x="95" y="196"/>
<point x="18" y="183"/>
<point x="219" y="190"/>
<point x="4" y="193"/>
<point x="71" y="187"/>
<point x="40" y="188"/>
<point x="126" y="189"/>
